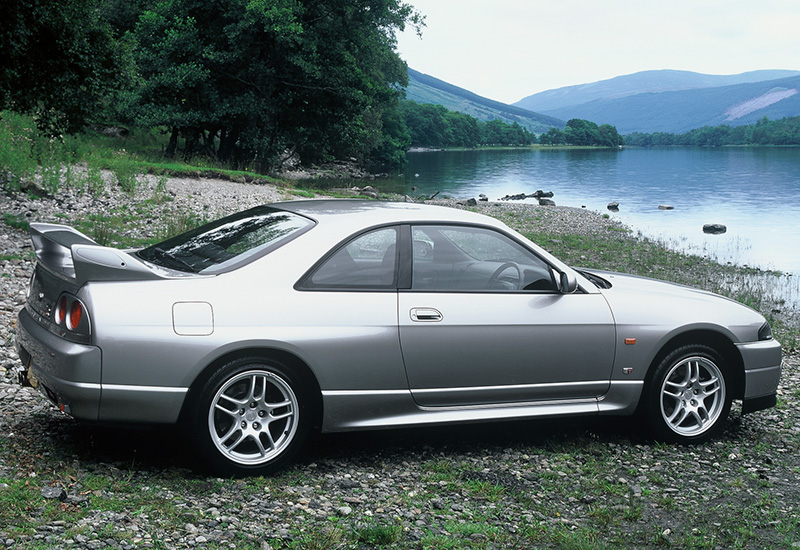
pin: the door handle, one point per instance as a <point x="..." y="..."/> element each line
<point x="426" y="315"/>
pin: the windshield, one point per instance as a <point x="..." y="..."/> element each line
<point x="229" y="242"/>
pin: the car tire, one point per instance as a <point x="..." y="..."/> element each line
<point x="688" y="398"/>
<point x="251" y="417"/>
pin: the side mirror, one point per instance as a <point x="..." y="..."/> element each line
<point x="568" y="282"/>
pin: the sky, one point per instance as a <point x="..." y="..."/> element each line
<point x="509" y="49"/>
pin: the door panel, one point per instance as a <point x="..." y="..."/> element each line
<point x="484" y="323"/>
<point x="502" y="348"/>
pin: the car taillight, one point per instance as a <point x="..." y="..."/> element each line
<point x="61" y="310"/>
<point x="71" y="314"/>
<point x="75" y="315"/>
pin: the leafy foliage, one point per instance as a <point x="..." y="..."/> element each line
<point x="59" y="61"/>
<point x="434" y="126"/>
<point x="583" y="132"/>
<point x="318" y="78"/>
<point x="25" y="152"/>
<point x="240" y="81"/>
<point x="785" y="131"/>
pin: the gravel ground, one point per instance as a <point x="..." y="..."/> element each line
<point x="584" y="483"/>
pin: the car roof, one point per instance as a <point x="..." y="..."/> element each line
<point x="365" y="213"/>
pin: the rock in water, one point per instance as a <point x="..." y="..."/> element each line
<point x="714" y="228"/>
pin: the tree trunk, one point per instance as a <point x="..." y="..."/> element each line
<point x="173" y="143"/>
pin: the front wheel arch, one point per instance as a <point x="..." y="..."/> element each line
<point x="688" y="393"/>
<point x="714" y="340"/>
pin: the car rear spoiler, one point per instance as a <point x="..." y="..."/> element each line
<point x="73" y="255"/>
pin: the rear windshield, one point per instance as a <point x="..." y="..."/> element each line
<point x="227" y="243"/>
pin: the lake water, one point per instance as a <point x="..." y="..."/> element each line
<point x="755" y="192"/>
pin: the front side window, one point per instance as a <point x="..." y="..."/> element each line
<point x="367" y="262"/>
<point x="459" y="258"/>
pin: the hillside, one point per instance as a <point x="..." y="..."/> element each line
<point x="423" y="88"/>
<point x="639" y="83"/>
<point x="684" y="110"/>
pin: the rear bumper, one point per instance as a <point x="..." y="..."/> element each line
<point x="66" y="372"/>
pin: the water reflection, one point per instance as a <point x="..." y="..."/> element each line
<point x="755" y="193"/>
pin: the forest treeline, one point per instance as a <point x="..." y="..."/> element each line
<point x="241" y="81"/>
<point x="435" y="126"/>
<point x="432" y="125"/>
<point x="784" y="131"/>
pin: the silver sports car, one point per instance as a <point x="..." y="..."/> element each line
<point x="337" y="315"/>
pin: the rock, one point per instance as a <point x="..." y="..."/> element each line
<point x="546" y="202"/>
<point x="714" y="228"/>
<point x="33" y="188"/>
<point x="369" y="191"/>
<point x="538" y="194"/>
<point x="613" y="206"/>
<point x="54" y="493"/>
<point x="483" y="197"/>
<point x="666" y="207"/>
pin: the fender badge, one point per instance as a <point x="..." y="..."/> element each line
<point x="627" y="370"/>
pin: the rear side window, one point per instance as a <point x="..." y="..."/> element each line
<point x="229" y="242"/>
<point x="367" y="262"/>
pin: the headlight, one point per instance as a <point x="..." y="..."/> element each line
<point x="765" y="332"/>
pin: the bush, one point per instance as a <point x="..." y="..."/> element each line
<point x="18" y="134"/>
<point x="26" y="153"/>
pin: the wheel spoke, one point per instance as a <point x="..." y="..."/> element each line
<point x="679" y="411"/>
<point x="263" y="394"/>
<point x="699" y="419"/>
<point x="232" y="446"/>
<point x="231" y="429"/>
<point x="270" y="438"/>
<point x="253" y="382"/>
<point x="232" y="414"/>
<point x="708" y="384"/>
<point x="287" y="414"/>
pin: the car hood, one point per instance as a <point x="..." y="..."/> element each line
<point x="636" y="300"/>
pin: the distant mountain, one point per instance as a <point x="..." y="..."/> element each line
<point x="639" y="83"/>
<point x="427" y="89"/>
<point x="674" y="101"/>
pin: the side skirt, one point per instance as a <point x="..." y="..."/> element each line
<point x="366" y="409"/>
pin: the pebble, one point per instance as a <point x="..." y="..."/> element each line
<point x="377" y="479"/>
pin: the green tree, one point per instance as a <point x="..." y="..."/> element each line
<point x="581" y="132"/>
<point x="609" y="137"/>
<point x="553" y="136"/>
<point x="262" y="76"/>
<point x="59" y="61"/>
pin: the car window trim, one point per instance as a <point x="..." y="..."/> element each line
<point x="304" y="284"/>
<point x="409" y="286"/>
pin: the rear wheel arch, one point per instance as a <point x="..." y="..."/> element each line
<point x="252" y="411"/>
<point x="297" y="365"/>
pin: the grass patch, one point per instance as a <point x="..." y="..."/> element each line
<point x="16" y="221"/>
